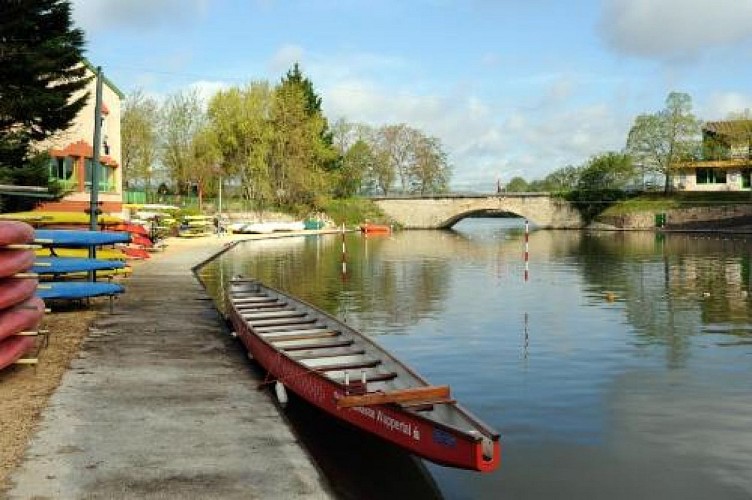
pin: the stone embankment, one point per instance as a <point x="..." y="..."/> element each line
<point x="724" y="218"/>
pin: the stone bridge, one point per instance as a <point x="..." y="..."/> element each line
<point x="445" y="210"/>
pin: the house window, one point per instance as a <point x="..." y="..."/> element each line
<point x="106" y="177"/>
<point x="710" y="176"/>
<point x="746" y="178"/>
<point x="61" y="170"/>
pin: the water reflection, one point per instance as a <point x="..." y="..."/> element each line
<point x="626" y="355"/>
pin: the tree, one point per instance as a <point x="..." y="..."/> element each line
<point x="659" y="141"/>
<point x="607" y="171"/>
<point x="295" y="79"/>
<point x="138" y="132"/>
<point x="298" y="156"/>
<point x="42" y="76"/>
<point x="240" y="119"/>
<point x="205" y="156"/>
<point x="742" y="130"/>
<point x="430" y="171"/>
<point x="562" y="180"/>
<point x="517" y="185"/>
<point x="357" y="162"/>
<point x="182" y="118"/>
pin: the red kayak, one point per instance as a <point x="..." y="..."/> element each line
<point x="16" y="290"/>
<point x="141" y="241"/>
<point x="15" y="261"/>
<point x="15" y="232"/>
<point x="135" y="253"/>
<point x="375" y="228"/>
<point x="131" y="228"/>
<point x="12" y="348"/>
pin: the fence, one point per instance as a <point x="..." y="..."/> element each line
<point x="189" y="202"/>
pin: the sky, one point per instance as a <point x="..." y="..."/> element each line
<point x="510" y="87"/>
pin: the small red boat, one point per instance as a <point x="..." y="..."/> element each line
<point x="346" y="374"/>
<point x="368" y="228"/>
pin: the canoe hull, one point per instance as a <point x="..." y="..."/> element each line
<point x="15" y="232"/>
<point x="15" y="261"/>
<point x="12" y="348"/>
<point x="421" y="436"/>
<point x="24" y="317"/>
<point x="15" y="290"/>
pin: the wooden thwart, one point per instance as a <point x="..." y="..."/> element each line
<point x="303" y="336"/>
<point x="318" y="345"/>
<point x="422" y="395"/>
<point x="284" y="313"/>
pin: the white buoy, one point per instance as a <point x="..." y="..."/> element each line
<point x="279" y="389"/>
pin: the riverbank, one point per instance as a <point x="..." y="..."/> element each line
<point x="155" y="399"/>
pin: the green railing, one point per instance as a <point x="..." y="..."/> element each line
<point x="71" y="185"/>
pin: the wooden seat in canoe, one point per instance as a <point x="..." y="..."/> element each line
<point x="302" y="336"/>
<point x="284" y="313"/>
<point x="320" y="345"/>
<point x="366" y="363"/>
<point x="414" y="395"/>
<point x="283" y="321"/>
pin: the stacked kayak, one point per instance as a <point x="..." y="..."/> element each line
<point x="58" y="271"/>
<point x="70" y="220"/>
<point x="20" y="311"/>
<point x="192" y="226"/>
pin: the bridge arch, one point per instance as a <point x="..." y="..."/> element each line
<point x="443" y="211"/>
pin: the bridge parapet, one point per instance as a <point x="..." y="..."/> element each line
<point x="445" y="210"/>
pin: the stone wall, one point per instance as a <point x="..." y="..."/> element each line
<point x="686" y="218"/>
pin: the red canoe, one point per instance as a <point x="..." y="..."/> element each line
<point x="346" y="374"/>
<point x="375" y="228"/>
<point x="15" y="261"/>
<point x="12" y="348"/>
<point x="16" y="290"/>
<point x="24" y="317"/>
<point x="15" y="232"/>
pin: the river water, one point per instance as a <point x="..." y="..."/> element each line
<point x="621" y="368"/>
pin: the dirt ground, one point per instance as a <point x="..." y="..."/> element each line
<point x="26" y="389"/>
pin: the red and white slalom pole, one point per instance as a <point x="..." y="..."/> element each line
<point x="527" y="250"/>
<point x="344" y="255"/>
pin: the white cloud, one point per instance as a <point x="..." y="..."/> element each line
<point x="720" y="104"/>
<point x="284" y="58"/>
<point x="483" y="142"/>
<point x="96" y="15"/>
<point x="206" y="89"/>
<point x="674" y="29"/>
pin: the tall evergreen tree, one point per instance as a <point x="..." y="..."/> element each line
<point x="295" y="79"/>
<point x="40" y="70"/>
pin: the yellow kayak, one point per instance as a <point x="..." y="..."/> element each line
<point x="45" y="218"/>
<point x="82" y="253"/>
<point x="101" y="273"/>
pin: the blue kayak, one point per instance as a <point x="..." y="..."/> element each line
<point x="72" y="238"/>
<point x="58" y="265"/>
<point x="76" y="289"/>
